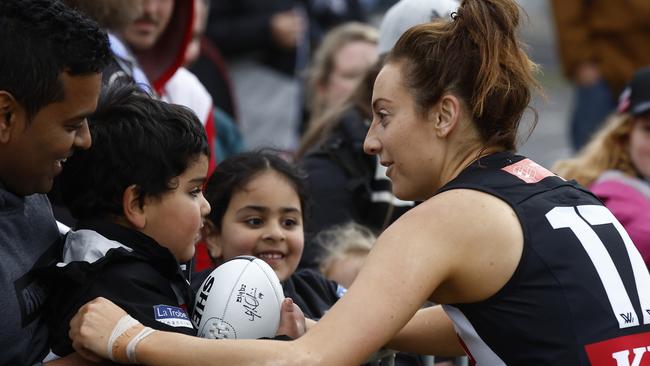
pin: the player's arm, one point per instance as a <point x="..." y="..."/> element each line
<point x="73" y="359"/>
<point x="425" y="249"/>
<point x="396" y="280"/>
<point x="309" y="323"/>
<point x="430" y="331"/>
<point x="488" y="249"/>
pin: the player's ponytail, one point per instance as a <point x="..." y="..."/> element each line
<point x="478" y="57"/>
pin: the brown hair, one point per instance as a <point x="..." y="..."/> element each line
<point x="607" y="149"/>
<point x="477" y="57"/>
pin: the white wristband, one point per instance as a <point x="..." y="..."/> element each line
<point x="130" y="348"/>
<point x="122" y="326"/>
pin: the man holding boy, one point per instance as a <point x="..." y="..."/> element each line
<point x="51" y="60"/>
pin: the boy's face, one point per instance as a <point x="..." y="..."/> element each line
<point x="264" y="219"/>
<point x="175" y="219"/>
<point x="33" y="150"/>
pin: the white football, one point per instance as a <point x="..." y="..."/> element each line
<point x="240" y="299"/>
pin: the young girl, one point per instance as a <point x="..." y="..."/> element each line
<point x="615" y="164"/>
<point x="260" y="203"/>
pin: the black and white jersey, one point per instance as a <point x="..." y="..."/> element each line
<point x="581" y="292"/>
<point x="101" y="258"/>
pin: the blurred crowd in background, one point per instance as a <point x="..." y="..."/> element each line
<point x="296" y="77"/>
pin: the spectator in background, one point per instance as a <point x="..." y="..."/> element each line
<point x="339" y="63"/>
<point x="407" y="13"/>
<point x="601" y="44"/>
<point x="51" y="60"/>
<point x="615" y="164"/>
<point x="204" y="59"/>
<point x="266" y="45"/>
<point x="346" y="247"/>
<point x="114" y="16"/>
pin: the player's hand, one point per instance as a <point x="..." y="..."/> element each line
<point x="91" y="328"/>
<point x="292" y="320"/>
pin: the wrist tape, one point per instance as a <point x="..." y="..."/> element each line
<point x="125" y="327"/>
<point x="130" y="348"/>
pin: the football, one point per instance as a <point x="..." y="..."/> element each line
<point x="240" y="299"/>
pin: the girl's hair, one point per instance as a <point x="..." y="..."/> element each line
<point x="234" y="173"/>
<point x="323" y="61"/>
<point x="607" y="149"/>
<point x="476" y="56"/>
<point x="360" y="100"/>
<point x="342" y="241"/>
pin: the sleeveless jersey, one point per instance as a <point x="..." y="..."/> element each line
<point x="580" y="294"/>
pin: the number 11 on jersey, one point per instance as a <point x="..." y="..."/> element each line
<point x="580" y="220"/>
<point x="633" y="349"/>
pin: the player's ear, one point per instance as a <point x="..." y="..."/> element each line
<point x="133" y="207"/>
<point x="212" y="238"/>
<point x="445" y="114"/>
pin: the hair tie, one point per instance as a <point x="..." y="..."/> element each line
<point x="454" y="16"/>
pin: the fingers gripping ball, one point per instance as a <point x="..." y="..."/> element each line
<point x="241" y="299"/>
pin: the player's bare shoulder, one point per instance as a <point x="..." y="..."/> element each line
<point x="481" y="237"/>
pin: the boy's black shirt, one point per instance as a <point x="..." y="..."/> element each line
<point x="146" y="282"/>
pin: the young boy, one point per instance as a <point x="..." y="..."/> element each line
<point x="136" y="194"/>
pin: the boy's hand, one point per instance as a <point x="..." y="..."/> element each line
<point x="292" y="320"/>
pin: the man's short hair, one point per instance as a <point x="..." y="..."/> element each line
<point x="39" y="39"/>
<point x="137" y="140"/>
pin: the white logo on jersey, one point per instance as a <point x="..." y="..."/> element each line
<point x="623" y="357"/>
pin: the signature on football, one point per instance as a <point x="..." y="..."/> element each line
<point x="250" y="300"/>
